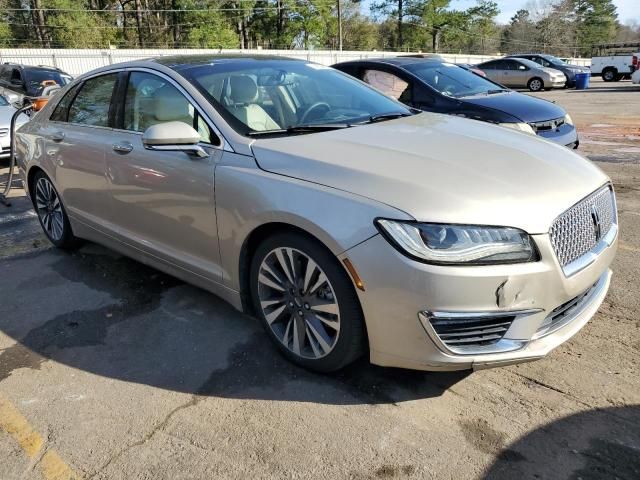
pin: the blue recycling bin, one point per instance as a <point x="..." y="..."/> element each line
<point x="582" y="81"/>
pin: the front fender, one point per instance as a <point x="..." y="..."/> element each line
<point x="248" y="197"/>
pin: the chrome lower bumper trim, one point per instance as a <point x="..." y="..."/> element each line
<point x="596" y="291"/>
<point x="501" y="346"/>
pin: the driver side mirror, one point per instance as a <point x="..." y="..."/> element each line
<point x="173" y="137"/>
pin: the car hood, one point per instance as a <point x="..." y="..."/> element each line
<point x="578" y="67"/>
<point x="440" y="168"/>
<point x="551" y="71"/>
<point x="527" y="109"/>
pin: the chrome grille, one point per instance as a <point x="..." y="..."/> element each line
<point x="471" y="332"/>
<point x="579" y="229"/>
<point x="547" y="125"/>
<point x="4" y="132"/>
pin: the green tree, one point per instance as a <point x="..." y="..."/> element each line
<point x="596" y="22"/>
<point x="519" y="33"/>
<point x="435" y="17"/>
<point x="482" y="24"/>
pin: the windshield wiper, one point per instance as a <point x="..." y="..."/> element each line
<point x="313" y="127"/>
<point x="381" y="117"/>
<point x="498" y="90"/>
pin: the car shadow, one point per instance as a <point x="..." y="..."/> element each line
<point x="107" y="315"/>
<point x="595" y="444"/>
<point x="621" y="89"/>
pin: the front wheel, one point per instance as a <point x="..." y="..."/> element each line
<point x="51" y="213"/>
<point x="535" y="85"/>
<point x="306" y="302"/>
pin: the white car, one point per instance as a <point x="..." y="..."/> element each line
<point x="635" y="78"/>
<point x="6" y="112"/>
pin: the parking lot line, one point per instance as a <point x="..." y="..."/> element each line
<point x="31" y="442"/>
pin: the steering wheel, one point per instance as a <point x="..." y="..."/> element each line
<point x="319" y="108"/>
<point x="449" y="90"/>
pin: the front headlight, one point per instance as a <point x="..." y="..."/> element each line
<point x="568" y="120"/>
<point x="459" y="244"/>
<point x="523" y="127"/>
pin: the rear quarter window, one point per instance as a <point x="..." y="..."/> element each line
<point x="61" y="111"/>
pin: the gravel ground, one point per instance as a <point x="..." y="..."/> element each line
<point x="111" y="370"/>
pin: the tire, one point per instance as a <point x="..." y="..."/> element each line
<point x="535" y="84"/>
<point x="51" y="212"/>
<point x="334" y="333"/>
<point x="610" y="75"/>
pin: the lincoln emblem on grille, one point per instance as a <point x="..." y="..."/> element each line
<point x="596" y="222"/>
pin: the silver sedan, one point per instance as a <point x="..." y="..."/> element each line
<point x="342" y="220"/>
<point x="6" y="112"/>
<point x="523" y="73"/>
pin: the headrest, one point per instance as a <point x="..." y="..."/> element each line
<point x="169" y="104"/>
<point x="242" y="89"/>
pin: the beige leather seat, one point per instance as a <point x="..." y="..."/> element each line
<point x="170" y="105"/>
<point x="241" y="97"/>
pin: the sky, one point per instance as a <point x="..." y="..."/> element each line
<point x="627" y="9"/>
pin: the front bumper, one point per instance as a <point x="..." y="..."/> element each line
<point x="557" y="82"/>
<point x="399" y="292"/>
<point x="565" y="135"/>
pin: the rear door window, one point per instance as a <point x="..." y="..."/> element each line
<point x="91" y="105"/>
<point x="389" y="84"/>
<point x="493" y="65"/>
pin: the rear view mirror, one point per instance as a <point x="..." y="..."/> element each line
<point x="173" y="137"/>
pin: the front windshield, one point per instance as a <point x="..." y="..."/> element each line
<point x="256" y="95"/>
<point x="452" y="80"/>
<point x="554" y="60"/>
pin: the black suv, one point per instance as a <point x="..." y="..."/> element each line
<point x="20" y="81"/>
<point x="550" y="61"/>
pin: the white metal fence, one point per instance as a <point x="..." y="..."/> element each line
<point x="76" y="62"/>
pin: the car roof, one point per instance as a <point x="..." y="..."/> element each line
<point x="397" y="61"/>
<point x="31" y="67"/>
<point x="178" y="61"/>
<point x="525" y="61"/>
<point x="546" y="55"/>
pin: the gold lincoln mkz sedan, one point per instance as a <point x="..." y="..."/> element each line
<point x="346" y="222"/>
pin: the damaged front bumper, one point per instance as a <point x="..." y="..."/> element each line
<point x="433" y="317"/>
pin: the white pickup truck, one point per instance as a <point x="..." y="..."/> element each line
<point x="614" y="67"/>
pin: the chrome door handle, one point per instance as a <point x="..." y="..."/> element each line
<point x="57" y="136"/>
<point x="122" y="147"/>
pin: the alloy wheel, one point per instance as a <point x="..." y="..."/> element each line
<point x="535" y="85"/>
<point x="49" y="209"/>
<point x="299" y="303"/>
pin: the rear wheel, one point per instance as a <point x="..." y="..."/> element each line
<point x="610" y="75"/>
<point x="535" y="84"/>
<point x="306" y="302"/>
<point x="51" y="213"/>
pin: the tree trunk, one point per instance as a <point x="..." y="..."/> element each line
<point x="39" y="19"/>
<point x="400" y="17"/>
<point x="176" y="21"/>
<point x="279" y="23"/>
<point x="137" y="6"/>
